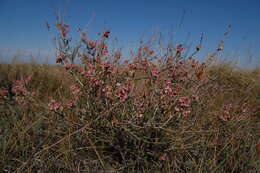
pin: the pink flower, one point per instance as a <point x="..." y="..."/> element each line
<point x="227" y="110"/>
<point x="224" y="117"/>
<point x="55" y="106"/>
<point x="20" y="100"/>
<point x="184" y="101"/>
<point x="145" y="64"/>
<point x="241" y="117"/>
<point x="70" y="103"/>
<point x="168" y="90"/>
<point x="122" y="93"/>
<point x="168" y="81"/>
<point x="132" y="66"/>
<point x="228" y="107"/>
<point x="185" y="112"/>
<point x="179" y="48"/>
<point x="19" y="87"/>
<point x="177" y="108"/>
<point x="108" y="91"/>
<point x="163" y="157"/>
<point x="86" y="72"/>
<point x="94" y="81"/>
<point x="184" y="106"/>
<point x="98" y="82"/>
<point x="155" y="72"/>
<point x="140" y="113"/>
<point x="75" y="90"/>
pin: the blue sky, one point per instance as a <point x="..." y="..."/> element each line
<point x="22" y="22"/>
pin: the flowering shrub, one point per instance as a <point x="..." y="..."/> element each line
<point x="231" y="112"/>
<point x="21" y="91"/>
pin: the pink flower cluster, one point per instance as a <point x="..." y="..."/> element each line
<point x="145" y="64"/>
<point x="19" y="87"/>
<point x="90" y="76"/>
<point x="163" y="157"/>
<point x="20" y="90"/>
<point x="155" y="72"/>
<point x="108" y="92"/>
<point x="140" y="113"/>
<point x="122" y="92"/>
<point x="86" y="73"/>
<point x="227" y="111"/>
<point x="139" y="64"/>
<point x="132" y="66"/>
<point x="168" y="90"/>
<point x="96" y="82"/>
<point x="183" y="106"/>
<point x="243" y="113"/>
<point x="179" y="48"/>
<point x="231" y="112"/>
<point x="55" y="106"/>
<point x="228" y="108"/>
<point x="168" y="93"/>
<point x="76" y="92"/>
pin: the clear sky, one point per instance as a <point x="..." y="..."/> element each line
<point x="22" y="22"/>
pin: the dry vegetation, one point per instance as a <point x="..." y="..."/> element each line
<point x="159" y="112"/>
